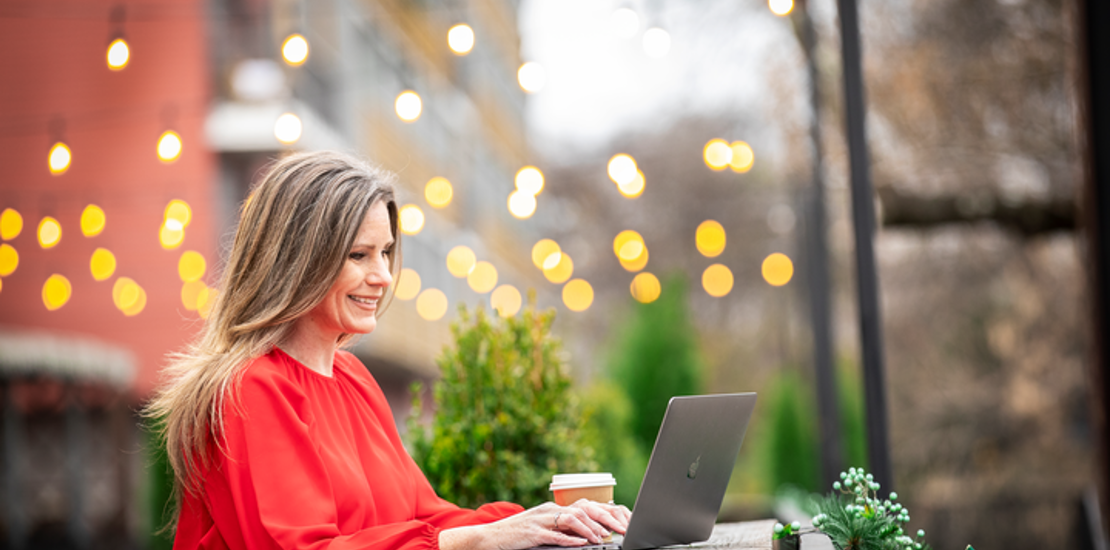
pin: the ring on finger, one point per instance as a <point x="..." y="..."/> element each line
<point x="556" y="527"/>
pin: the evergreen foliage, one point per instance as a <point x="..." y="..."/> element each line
<point x="505" y="418"/>
<point x="792" y="456"/>
<point x="657" y="358"/>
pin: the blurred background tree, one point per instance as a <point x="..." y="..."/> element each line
<point x="657" y="358"/>
<point x="506" y="418"/>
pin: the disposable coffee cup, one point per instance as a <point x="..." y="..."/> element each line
<point x="570" y="488"/>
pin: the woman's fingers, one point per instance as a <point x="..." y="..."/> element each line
<point x="613" y="517"/>
<point x="577" y="520"/>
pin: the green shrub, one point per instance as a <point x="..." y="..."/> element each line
<point x="505" y="417"/>
<point x="657" y="358"/>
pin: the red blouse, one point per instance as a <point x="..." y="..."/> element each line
<point x="312" y="461"/>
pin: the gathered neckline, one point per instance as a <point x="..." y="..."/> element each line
<point x="334" y="365"/>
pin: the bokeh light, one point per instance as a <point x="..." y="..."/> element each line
<point x="461" y="261"/>
<point x="190" y="294"/>
<point x="562" y="271"/>
<point x="169" y="146"/>
<point x="60" y="158"/>
<point x="710" y="238"/>
<point x="578" y="295"/>
<point x="11" y="224"/>
<point x="637" y="264"/>
<point x="408" y="284"/>
<point x="529" y="180"/>
<point x="532" y="77"/>
<point x="9" y="259"/>
<point x="542" y="250"/>
<point x="191" y="266"/>
<point x="622" y="169"/>
<point x="50" y="232"/>
<point x="129" y="297"/>
<point x="717" y="154"/>
<point x="411" y="219"/>
<point x="781" y="7"/>
<point x="742" y="157"/>
<point x="522" y="205"/>
<point x="460" y="39"/>
<point x="657" y="42"/>
<point x="631" y="250"/>
<point x="56" y="292"/>
<point x="645" y="288"/>
<point x="482" y="278"/>
<point x="777" y="269"/>
<point x="118" y="55"/>
<point x="178" y="210"/>
<point x="625" y="237"/>
<point x="408" y="106"/>
<point x="431" y="305"/>
<point x="138" y="306"/>
<point x="102" y="264"/>
<point x="506" y="300"/>
<point x="634" y="188"/>
<point x="717" y="280"/>
<point x="205" y="300"/>
<point x="288" y="128"/>
<point x="171" y="234"/>
<point x="295" y="50"/>
<point x="438" y="192"/>
<point x="624" y="22"/>
<point x="552" y="260"/>
<point x="92" y="220"/>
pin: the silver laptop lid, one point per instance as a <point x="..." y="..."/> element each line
<point x="689" y="470"/>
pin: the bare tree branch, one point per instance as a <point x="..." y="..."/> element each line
<point x="1029" y="218"/>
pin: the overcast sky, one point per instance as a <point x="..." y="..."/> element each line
<point x="599" y="84"/>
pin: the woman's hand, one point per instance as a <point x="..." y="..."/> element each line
<point x="584" y="522"/>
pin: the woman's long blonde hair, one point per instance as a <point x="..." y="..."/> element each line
<point x="295" y="231"/>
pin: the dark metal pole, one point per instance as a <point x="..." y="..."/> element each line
<point x="1094" y="101"/>
<point x="832" y="457"/>
<point x="863" y="214"/>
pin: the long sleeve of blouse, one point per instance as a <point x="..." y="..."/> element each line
<point x="314" y="462"/>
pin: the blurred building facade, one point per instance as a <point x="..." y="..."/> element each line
<point x="82" y="339"/>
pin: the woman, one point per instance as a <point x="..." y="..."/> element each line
<point x="279" y="439"/>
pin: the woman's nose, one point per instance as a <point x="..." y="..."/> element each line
<point x="380" y="274"/>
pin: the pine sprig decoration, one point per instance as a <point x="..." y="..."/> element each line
<point x="855" y="517"/>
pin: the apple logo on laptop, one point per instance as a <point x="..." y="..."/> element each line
<point x="693" y="471"/>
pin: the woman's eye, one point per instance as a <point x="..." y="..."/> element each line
<point x="387" y="252"/>
<point x="357" y="255"/>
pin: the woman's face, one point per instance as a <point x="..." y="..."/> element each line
<point x="350" y="305"/>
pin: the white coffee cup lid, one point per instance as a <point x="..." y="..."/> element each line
<point x="578" y="481"/>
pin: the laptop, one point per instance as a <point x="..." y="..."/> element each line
<point x="688" y="472"/>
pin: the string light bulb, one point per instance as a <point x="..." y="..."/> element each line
<point x="522" y="205"/>
<point x="11" y="224"/>
<point x="506" y="300"/>
<point x="532" y="77"/>
<point x="169" y="146"/>
<point x="294" y="50"/>
<point x="59" y="159"/>
<point x="408" y="106"/>
<point x="50" y="232"/>
<point x="56" y="292"/>
<point x="92" y="220"/>
<point x="119" y="54"/>
<point x="438" y="192"/>
<point x="460" y="39"/>
<point x="288" y="128"/>
<point x="781" y="7"/>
